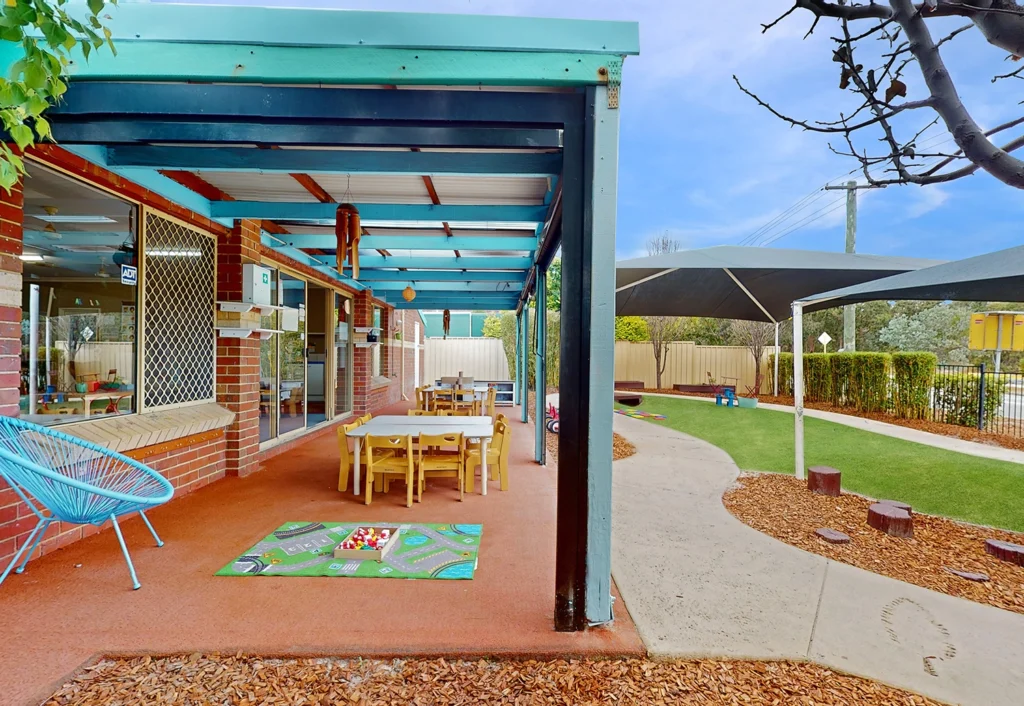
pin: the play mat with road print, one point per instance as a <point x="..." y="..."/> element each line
<point x="426" y="551"/>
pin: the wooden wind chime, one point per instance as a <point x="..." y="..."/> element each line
<point x="446" y="322"/>
<point x="348" y="231"/>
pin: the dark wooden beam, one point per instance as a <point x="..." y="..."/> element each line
<point x="208" y="191"/>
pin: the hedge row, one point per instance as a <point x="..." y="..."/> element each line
<point x="906" y="384"/>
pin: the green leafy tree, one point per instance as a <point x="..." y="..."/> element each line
<point x="554" y="285"/>
<point x="492" y="326"/>
<point x="47" y="34"/>
<point x="940" y="329"/>
<point x="630" y="328"/>
<point x="705" y="331"/>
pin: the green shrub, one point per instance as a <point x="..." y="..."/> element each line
<point x="631" y="328"/>
<point x="956" y="398"/>
<point x="818" y="377"/>
<point x="912" y="381"/>
<point x="867" y="388"/>
<point x="785" y="373"/>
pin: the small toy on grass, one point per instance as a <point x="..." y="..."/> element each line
<point x="640" y="414"/>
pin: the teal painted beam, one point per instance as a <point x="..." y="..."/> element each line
<point x="352" y="66"/>
<point x="419" y="276"/>
<point x="206" y="24"/>
<point x="148" y="178"/>
<point x="448" y="287"/>
<point x="306" y="211"/>
<point x="420" y="242"/>
<point x="467" y="305"/>
<point x="368" y="262"/>
<point x="318" y="265"/>
<point x="375" y="162"/>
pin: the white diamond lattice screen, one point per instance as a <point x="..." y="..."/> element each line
<point x="179" y="314"/>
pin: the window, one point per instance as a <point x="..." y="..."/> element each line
<point x="270" y="395"/>
<point x="79" y="301"/>
<point x="179" y="277"/>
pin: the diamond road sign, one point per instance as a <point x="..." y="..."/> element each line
<point x="824" y="339"/>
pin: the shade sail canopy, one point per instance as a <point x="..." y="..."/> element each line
<point x="733" y="282"/>
<point x="997" y="276"/>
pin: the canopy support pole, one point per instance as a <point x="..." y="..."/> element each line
<point x="524" y="358"/>
<point x="749" y="295"/>
<point x="798" y="386"/>
<point x="517" y="398"/>
<point x="778" y="352"/>
<point x="587" y="365"/>
<point x="541" y="369"/>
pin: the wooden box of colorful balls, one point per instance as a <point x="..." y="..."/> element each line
<point x="367" y="543"/>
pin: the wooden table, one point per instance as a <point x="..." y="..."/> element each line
<point x="479" y="391"/>
<point x="394" y="425"/>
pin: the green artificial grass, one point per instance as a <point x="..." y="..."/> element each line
<point x="932" y="480"/>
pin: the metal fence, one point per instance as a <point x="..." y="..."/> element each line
<point x="976" y="396"/>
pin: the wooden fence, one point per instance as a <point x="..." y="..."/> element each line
<point x="481" y="358"/>
<point x="689" y="364"/>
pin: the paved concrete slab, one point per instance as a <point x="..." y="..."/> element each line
<point x="698" y="582"/>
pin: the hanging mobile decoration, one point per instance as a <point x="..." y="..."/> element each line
<point x="446" y="322"/>
<point x="348" y="230"/>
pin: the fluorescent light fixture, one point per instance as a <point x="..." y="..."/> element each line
<point x="30" y="257"/>
<point x="55" y="218"/>
<point x="174" y="253"/>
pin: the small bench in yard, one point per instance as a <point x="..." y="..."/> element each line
<point x="704" y="389"/>
<point x="630" y="399"/>
<point x="629" y="385"/>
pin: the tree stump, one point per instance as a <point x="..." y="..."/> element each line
<point x="824" y="481"/>
<point x="1013" y="553"/>
<point x="901" y="506"/>
<point x="832" y="536"/>
<point x="894" y="521"/>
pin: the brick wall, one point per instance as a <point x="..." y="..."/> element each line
<point x="11" y="218"/>
<point x="196" y="462"/>
<point x="238" y="359"/>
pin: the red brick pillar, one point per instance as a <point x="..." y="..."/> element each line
<point x="238" y="359"/>
<point x="362" y="358"/>
<point x="11" y="219"/>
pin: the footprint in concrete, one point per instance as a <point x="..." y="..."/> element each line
<point x="915" y="628"/>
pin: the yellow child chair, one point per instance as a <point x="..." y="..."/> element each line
<point x="492" y="399"/>
<point x="443" y="399"/>
<point x="346" y="454"/>
<point x="497" y="458"/>
<point x="381" y="465"/>
<point x="365" y="418"/>
<point x="444" y="413"/>
<point x="421" y="399"/>
<point x="441" y="456"/>
<point x="419" y="413"/>
<point x="463" y="400"/>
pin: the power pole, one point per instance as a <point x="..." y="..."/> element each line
<point x="850" y="310"/>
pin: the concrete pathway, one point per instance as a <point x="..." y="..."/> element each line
<point x="971" y="448"/>
<point x="699" y="583"/>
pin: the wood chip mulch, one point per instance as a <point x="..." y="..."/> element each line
<point x="1007" y="441"/>
<point x="620" y="447"/>
<point x="781" y="506"/>
<point x="248" y="681"/>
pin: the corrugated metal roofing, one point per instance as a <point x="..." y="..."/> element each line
<point x="510" y="191"/>
<point x="368" y="188"/>
<point x="253" y="186"/>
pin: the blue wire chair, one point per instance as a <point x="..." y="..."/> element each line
<point x="78" y="482"/>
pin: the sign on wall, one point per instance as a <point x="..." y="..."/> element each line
<point x="129" y="275"/>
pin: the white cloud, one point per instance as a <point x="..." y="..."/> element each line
<point x="926" y="200"/>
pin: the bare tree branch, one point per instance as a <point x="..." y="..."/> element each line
<point x="903" y="24"/>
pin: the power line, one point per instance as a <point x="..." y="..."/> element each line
<point x="835" y="206"/>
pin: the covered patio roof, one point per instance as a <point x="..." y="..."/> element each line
<point x="474" y="148"/>
<point x="446" y="131"/>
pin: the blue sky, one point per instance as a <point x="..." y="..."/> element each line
<point x="703" y="163"/>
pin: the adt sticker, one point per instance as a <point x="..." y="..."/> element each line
<point x="129" y="275"/>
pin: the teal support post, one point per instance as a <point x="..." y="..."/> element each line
<point x="541" y="369"/>
<point x="517" y="398"/>
<point x="604" y="128"/>
<point x="524" y="355"/>
<point x="586" y="352"/>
